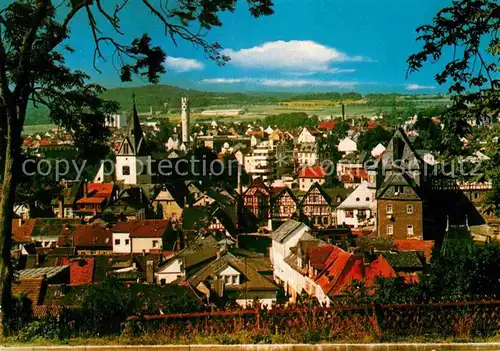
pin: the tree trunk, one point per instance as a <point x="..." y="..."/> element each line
<point x="11" y="157"/>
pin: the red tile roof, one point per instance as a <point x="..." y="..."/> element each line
<point x="81" y="270"/>
<point x="343" y="267"/>
<point x="328" y="125"/>
<point x="313" y="172"/>
<point x="100" y="190"/>
<point x="91" y="200"/>
<point x="424" y="246"/>
<point x="319" y="254"/>
<point x="153" y="229"/>
<point x="86" y="236"/>
<point x="142" y="228"/>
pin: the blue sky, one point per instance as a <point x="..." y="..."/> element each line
<point x="307" y="45"/>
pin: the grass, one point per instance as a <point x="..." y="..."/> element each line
<point x="37" y="128"/>
<point x="228" y="338"/>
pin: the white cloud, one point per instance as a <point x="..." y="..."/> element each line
<point x="283" y="83"/>
<point x="294" y="55"/>
<point x="181" y="64"/>
<point x="331" y="71"/>
<point x="418" y="87"/>
<point x="224" y="80"/>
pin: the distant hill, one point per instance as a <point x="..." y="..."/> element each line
<point x="167" y="98"/>
<point x="163" y="97"/>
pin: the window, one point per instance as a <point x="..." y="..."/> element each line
<point x="117" y="241"/>
<point x="357" y="199"/>
<point x="410" y="230"/>
<point x="126" y="170"/>
<point x="389" y="229"/>
<point x="367" y="199"/>
<point x="127" y="241"/>
<point x="476" y="195"/>
<point x="155" y="243"/>
<point x="409" y="209"/>
<point x="125" y="148"/>
<point x="388" y="209"/>
<point x="399" y="190"/>
<point x="349" y="214"/>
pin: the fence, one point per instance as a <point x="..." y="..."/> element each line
<point x="462" y="320"/>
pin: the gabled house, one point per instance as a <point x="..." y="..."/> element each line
<point x="342" y="268"/>
<point x="229" y="278"/>
<point x="257" y="199"/>
<point x="64" y="205"/>
<point x="316" y="206"/>
<point x="347" y="146"/>
<point x="310" y="175"/>
<point x="283" y="240"/>
<point x="139" y="236"/>
<point x="284" y="204"/>
<point x="131" y="204"/>
<point x="309" y="135"/>
<point x="359" y="207"/>
<point x="188" y="261"/>
<point x="169" y="202"/>
<point x="96" y="196"/>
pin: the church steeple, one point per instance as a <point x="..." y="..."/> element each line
<point x="134" y="134"/>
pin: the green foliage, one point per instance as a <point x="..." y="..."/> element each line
<point x="290" y="121"/>
<point x="459" y="274"/>
<point x="371" y="138"/>
<point x="470" y="30"/>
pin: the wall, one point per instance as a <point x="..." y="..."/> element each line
<point x="145" y="244"/>
<point x="122" y="247"/>
<point x="170" y="272"/>
<point x="400" y="219"/>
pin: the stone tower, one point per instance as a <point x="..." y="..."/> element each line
<point x="185" y="120"/>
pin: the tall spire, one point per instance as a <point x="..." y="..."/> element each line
<point x="134" y="130"/>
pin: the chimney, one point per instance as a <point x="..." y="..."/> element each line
<point x="239" y="178"/>
<point x="85" y="187"/>
<point x="150" y="272"/>
<point x="61" y="210"/>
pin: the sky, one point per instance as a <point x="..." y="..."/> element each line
<point x="306" y="46"/>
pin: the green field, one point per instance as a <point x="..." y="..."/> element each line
<point x="37" y="128"/>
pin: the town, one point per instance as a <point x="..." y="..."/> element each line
<point x="284" y="220"/>
<point x="259" y="174"/>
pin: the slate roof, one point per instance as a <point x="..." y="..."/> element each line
<point x="287" y="229"/>
<point x="251" y="280"/>
<point x="49" y="272"/>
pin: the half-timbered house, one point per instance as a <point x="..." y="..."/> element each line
<point x="257" y="199"/>
<point x="284" y="204"/>
<point x="316" y="206"/>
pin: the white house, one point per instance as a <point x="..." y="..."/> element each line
<point x="308" y="135"/>
<point x="121" y="243"/>
<point x="378" y="150"/>
<point x="358" y="208"/>
<point x="140" y="236"/>
<point x="283" y="239"/>
<point x="347" y="146"/>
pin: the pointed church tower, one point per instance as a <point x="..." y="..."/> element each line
<point x="133" y="161"/>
